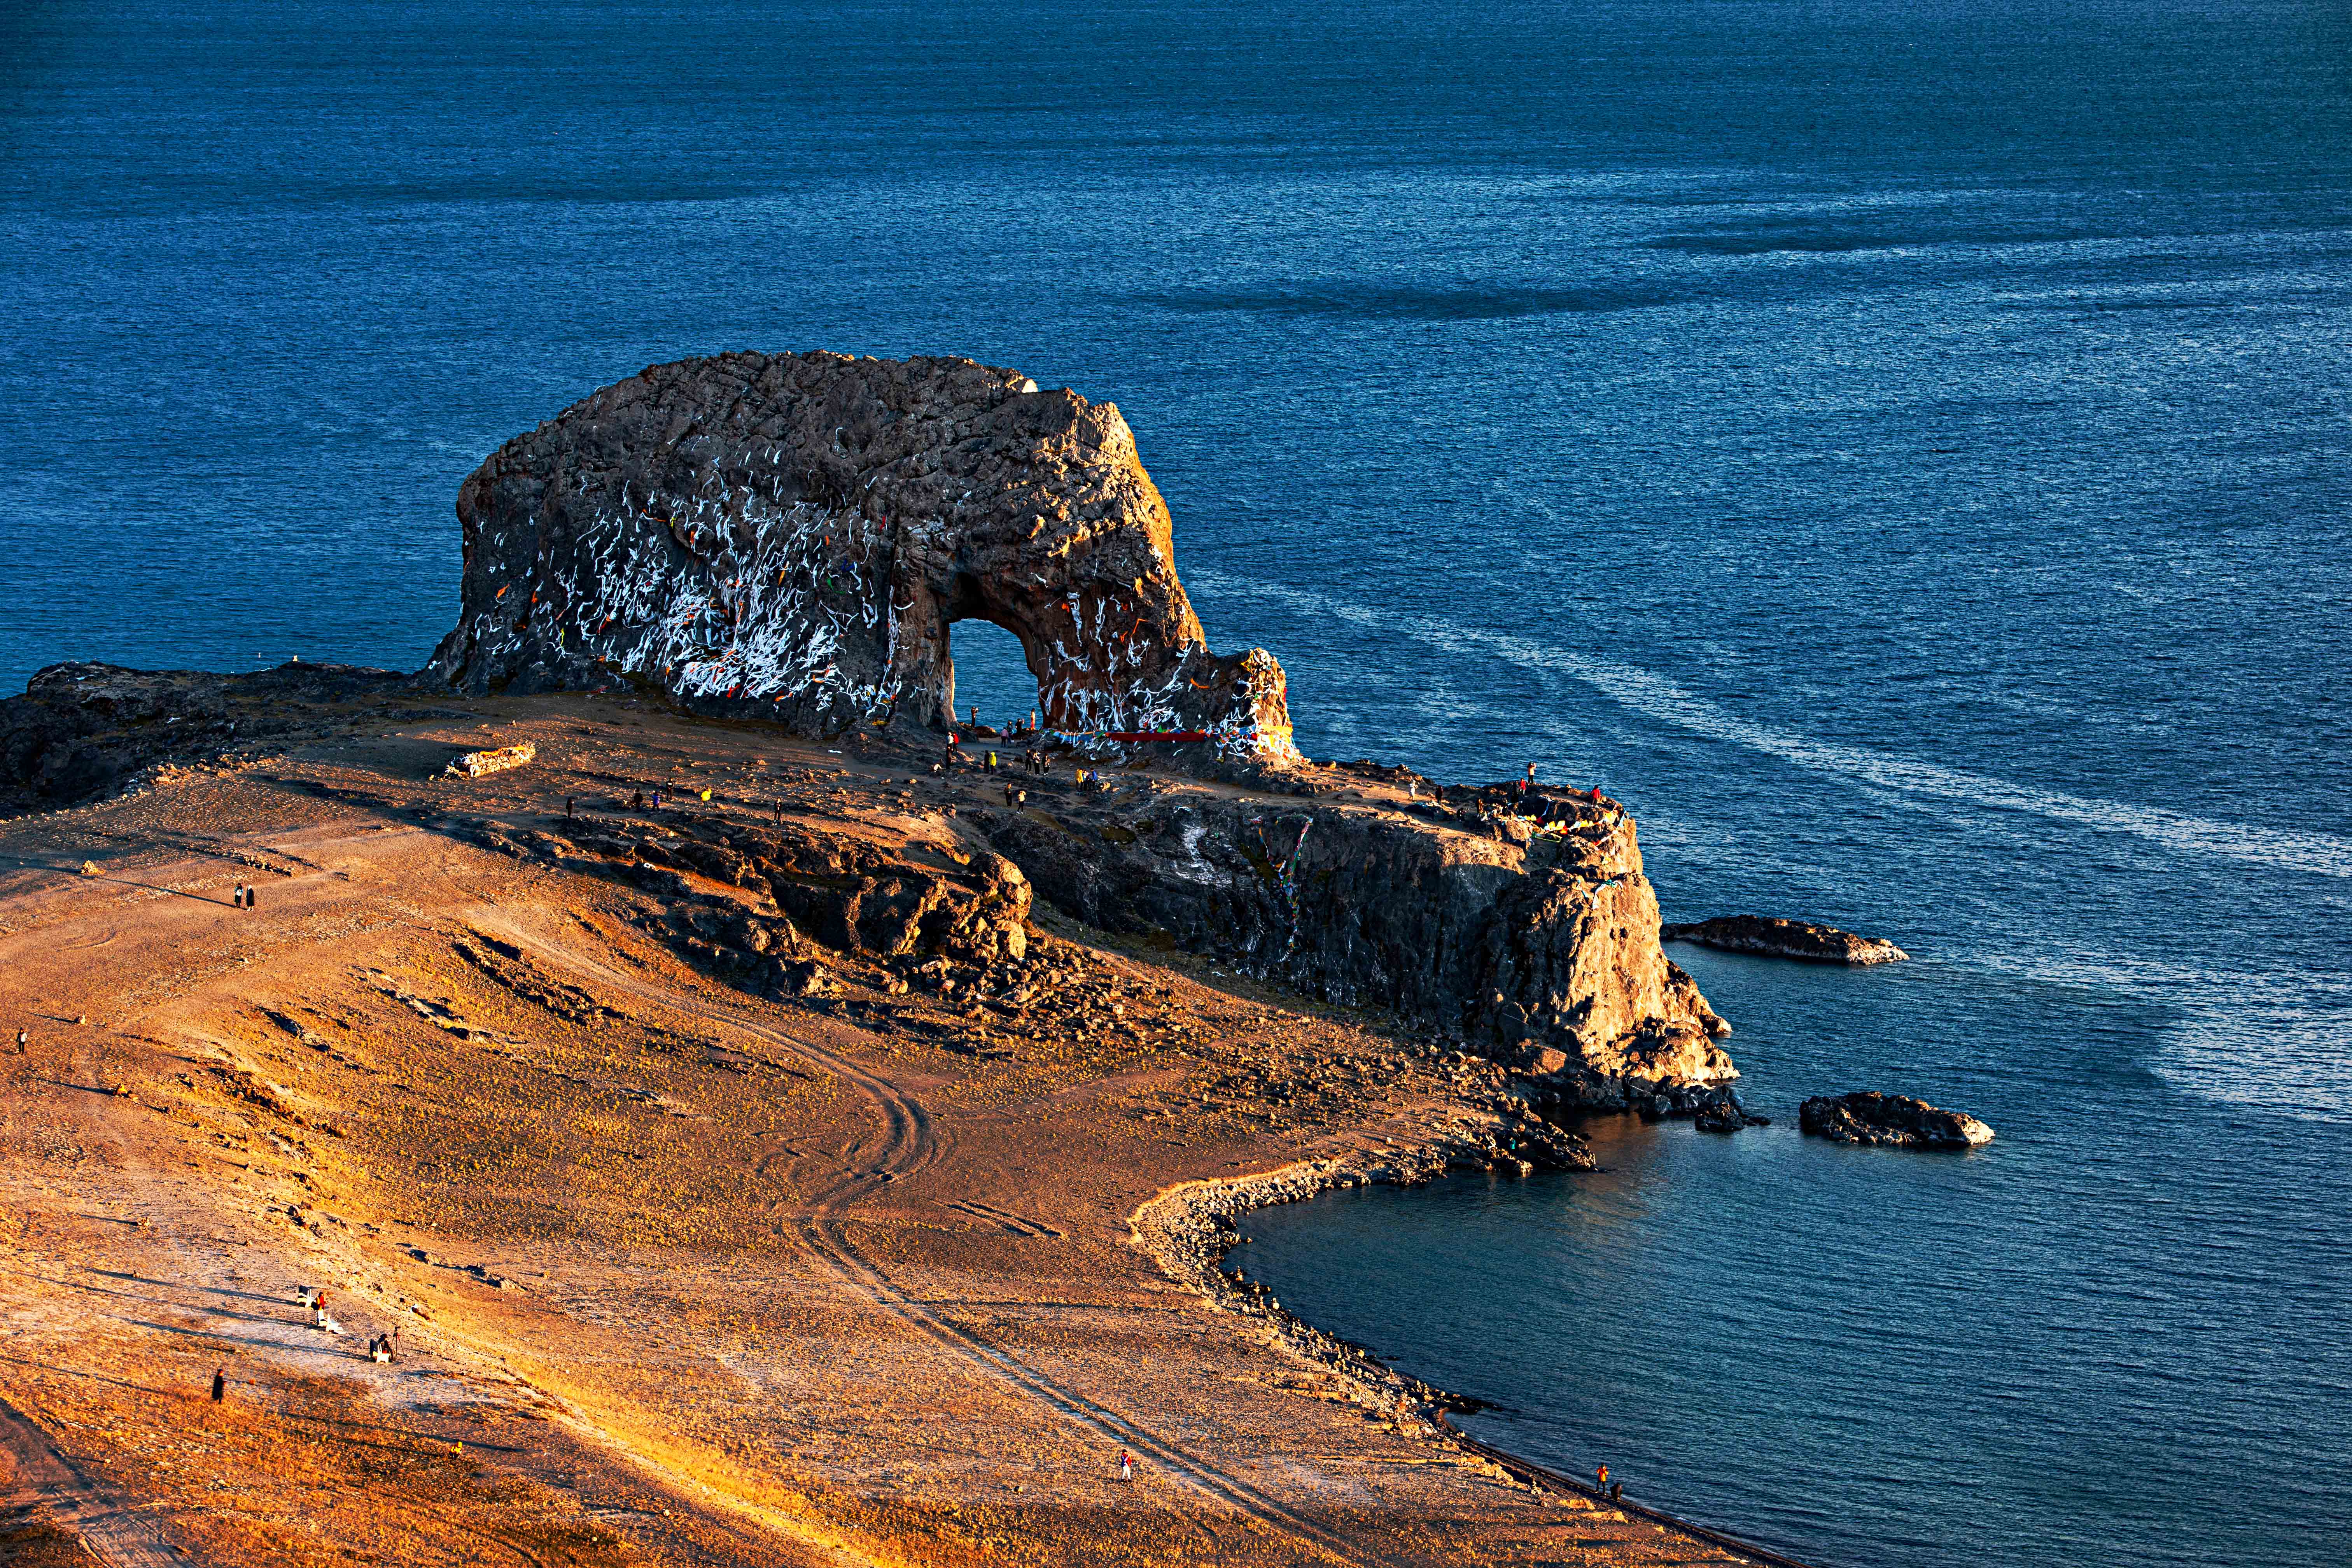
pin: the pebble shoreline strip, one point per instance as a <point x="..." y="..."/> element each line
<point x="1189" y="1228"/>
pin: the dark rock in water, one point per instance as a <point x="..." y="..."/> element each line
<point x="1867" y="1117"/>
<point x="1726" y="1114"/>
<point x="1718" y="1119"/>
<point x="1799" y="940"/>
<point x="789" y="537"/>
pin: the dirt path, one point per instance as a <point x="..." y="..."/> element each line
<point x="44" y="1478"/>
<point x="910" y="1144"/>
<point x="687" y="1277"/>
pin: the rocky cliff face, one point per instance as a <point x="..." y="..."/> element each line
<point x="1537" y="942"/>
<point x="790" y="536"/>
<point x="81" y="731"/>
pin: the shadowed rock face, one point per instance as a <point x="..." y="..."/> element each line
<point x="1538" y="949"/>
<point x="790" y="536"/>
<point x="86" y="730"/>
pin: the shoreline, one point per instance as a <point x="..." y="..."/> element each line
<point x="715" y="1240"/>
<point x="1187" y="1229"/>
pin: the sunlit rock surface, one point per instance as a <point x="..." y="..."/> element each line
<point x="790" y="536"/>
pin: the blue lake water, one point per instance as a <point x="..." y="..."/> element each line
<point x="1900" y="448"/>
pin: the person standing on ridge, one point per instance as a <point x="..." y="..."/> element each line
<point x="1601" y="1483"/>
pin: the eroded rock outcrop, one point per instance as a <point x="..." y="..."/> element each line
<point x="786" y="911"/>
<point x="1777" y="938"/>
<point x="790" y="536"/>
<point x="1868" y="1117"/>
<point x="85" y="729"/>
<point x="1536" y="942"/>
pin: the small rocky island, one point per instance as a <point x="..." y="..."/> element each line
<point x="1777" y="938"/>
<point x="1892" y="1119"/>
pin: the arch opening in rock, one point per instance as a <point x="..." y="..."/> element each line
<point x="988" y="669"/>
<point x="790" y="536"/>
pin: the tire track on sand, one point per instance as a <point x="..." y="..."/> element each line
<point x="911" y="1143"/>
<point x="109" y="1529"/>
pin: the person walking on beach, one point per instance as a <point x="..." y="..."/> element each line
<point x="220" y="1383"/>
<point x="1126" y="1466"/>
<point x="1601" y="1483"/>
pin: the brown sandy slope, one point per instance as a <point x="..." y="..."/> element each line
<point x="679" y="1274"/>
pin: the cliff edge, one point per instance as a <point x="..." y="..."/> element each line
<point x="787" y="538"/>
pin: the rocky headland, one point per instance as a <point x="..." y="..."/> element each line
<point x="1894" y="1121"/>
<point x="786" y="539"/>
<point x="735" y="1093"/>
<point x="1777" y="938"/>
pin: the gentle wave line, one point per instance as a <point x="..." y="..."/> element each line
<point x="1653" y="696"/>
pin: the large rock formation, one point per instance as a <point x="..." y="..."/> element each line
<point x="1523" y="925"/>
<point x="790" y="536"/>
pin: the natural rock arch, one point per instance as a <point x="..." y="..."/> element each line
<point x="790" y="536"/>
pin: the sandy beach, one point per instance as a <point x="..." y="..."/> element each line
<point x="678" y="1274"/>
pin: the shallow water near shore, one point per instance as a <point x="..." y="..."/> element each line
<point x="1899" y="450"/>
<point x="2112" y="1336"/>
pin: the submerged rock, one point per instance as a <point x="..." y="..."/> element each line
<point x="1868" y="1117"/>
<point x="1779" y="937"/>
<point x="790" y="536"/>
